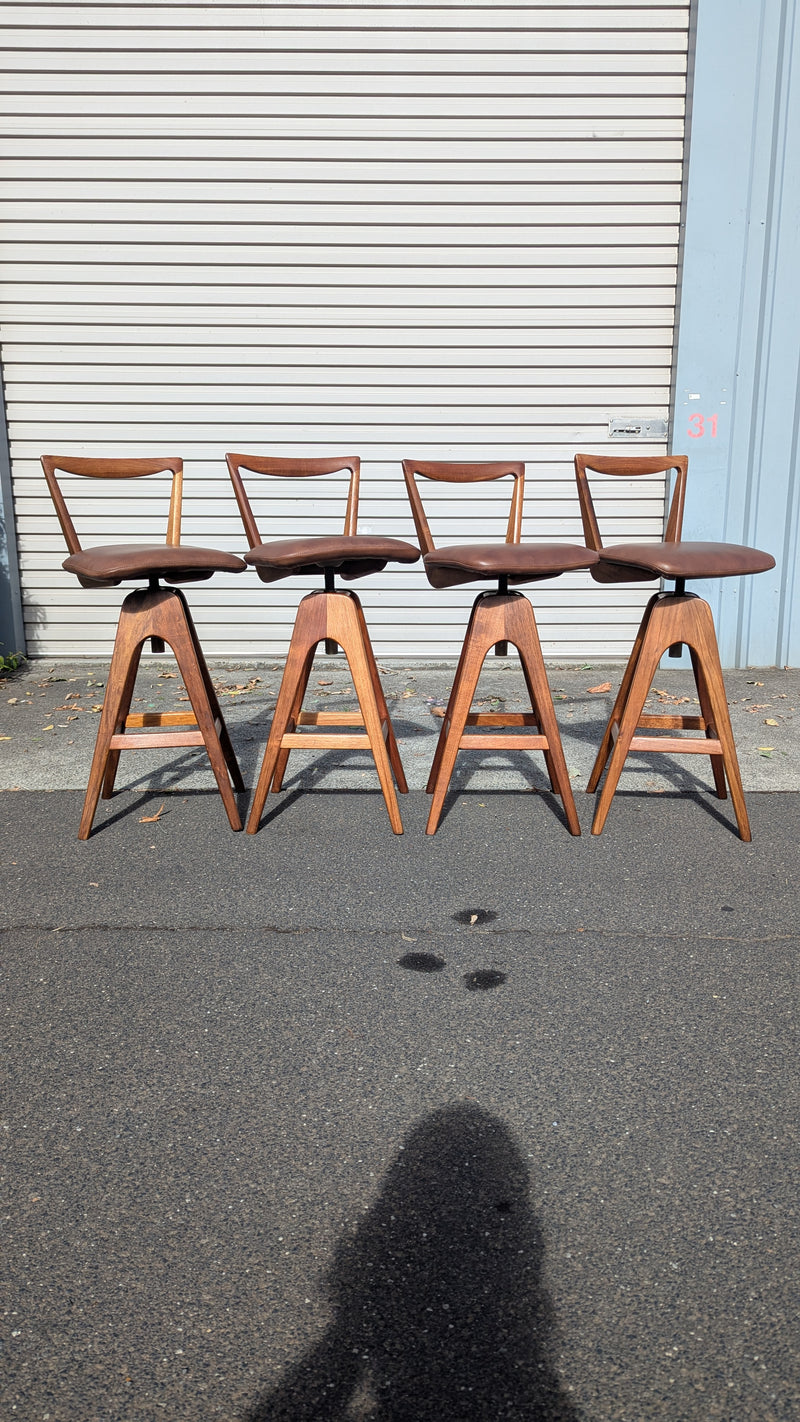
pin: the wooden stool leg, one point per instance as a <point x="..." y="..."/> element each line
<point x="650" y="653"/>
<point x="678" y="618"/>
<point x="448" y="715"/>
<point x="336" y="616"/>
<point x="123" y="707"/>
<point x="523" y="633"/>
<point x="349" y="631"/>
<point x="717" y="761"/>
<point x="380" y="699"/>
<point x="213" y="701"/>
<point x="496" y="618"/>
<point x="485" y="628"/>
<point x="297" y="705"/>
<point x="163" y="613"/>
<point x="607" y="743"/>
<point x="307" y="633"/>
<point x="703" y="640"/>
<point x="178" y="634"/>
<point x="124" y="662"/>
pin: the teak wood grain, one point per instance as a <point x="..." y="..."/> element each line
<point x="336" y="616"/>
<point x="671" y="621"/>
<point x="671" y="618"/>
<point x="279" y="467"/>
<point x="497" y="619"/>
<point x="155" y="613"/>
<point x="162" y="613"/>
<point x="332" y="616"/>
<point x="500" y="618"/>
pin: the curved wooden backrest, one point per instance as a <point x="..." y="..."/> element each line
<point x="450" y="473"/>
<point x="113" y="469"/>
<point x="629" y="468"/>
<point x="292" y="468"/>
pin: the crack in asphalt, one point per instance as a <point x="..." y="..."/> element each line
<point x="429" y="935"/>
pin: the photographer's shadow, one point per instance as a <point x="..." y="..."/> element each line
<point x="439" y="1309"/>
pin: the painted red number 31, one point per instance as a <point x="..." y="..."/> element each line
<point x="699" y="425"/>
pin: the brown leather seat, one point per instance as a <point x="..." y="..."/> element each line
<point x="645" y="561"/>
<point x="671" y="620"/>
<point x="518" y="562"/>
<point x="333" y="615"/>
<point x="350" y="555"/>
<point x="497" y="618"/>
<point x="152" y="613"/>
<point x="115" y="563"/>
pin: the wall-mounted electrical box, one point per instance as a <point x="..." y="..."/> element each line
<point x="620" y="428"/>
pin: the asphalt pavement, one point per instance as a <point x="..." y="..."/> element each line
<point x="328" y="1123"/>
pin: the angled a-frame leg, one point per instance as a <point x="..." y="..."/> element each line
<point x="161" y="613"/>
<point x="500" y="617"/>
<point x="670" y="618"/>
<point x="612" y="726"/>
<point x="331" y="616"/>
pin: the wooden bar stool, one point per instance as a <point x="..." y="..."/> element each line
<point x="332" y="615"/>
<point x="497" y="618"/>
<point x="160" y="614"/>
<point x="670" y="620"/>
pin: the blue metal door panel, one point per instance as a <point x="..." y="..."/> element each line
<point x="737" y="381"/>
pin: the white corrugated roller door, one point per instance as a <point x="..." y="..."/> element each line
<point x="438" y="230"/>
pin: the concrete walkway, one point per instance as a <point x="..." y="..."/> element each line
<point x="48" y="724"/>
<point x="326" y="1123"/>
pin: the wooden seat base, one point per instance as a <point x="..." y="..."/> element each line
<point x="671" y="618"/>
<point x="500" y="618"/>
<point x="332" y="617"/>
<point x="160" y="614"/>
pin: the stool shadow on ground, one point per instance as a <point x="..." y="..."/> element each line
<point x="439" y="1312"/>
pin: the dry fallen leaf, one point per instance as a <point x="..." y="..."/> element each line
<point x="595" y="690"/>
<point x="324" y="683"/>
<point x="48" y="728"/>
<point x="770" y="722"/>
<point x="473" y="918"/>
<point x="406" y="938"/>
<point x="438" y="711"/>
<point x="150" y="819"/>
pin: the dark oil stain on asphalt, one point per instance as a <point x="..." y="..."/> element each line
<point x="421" y="963"/>
<point x="483" y="979"/>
